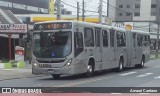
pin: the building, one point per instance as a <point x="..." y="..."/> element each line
<point x="134" y="10"/>
<point x="30" y="6"/>
<point x="8" y="27"/>
<point x="143" y="14"/>
<point x="26" y="7"/>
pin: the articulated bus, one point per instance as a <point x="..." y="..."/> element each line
<point x="75" y="47"/>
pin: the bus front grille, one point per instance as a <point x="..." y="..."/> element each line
<point x="45" y="65"/>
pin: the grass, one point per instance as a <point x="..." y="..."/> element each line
<point x="152" y="57"/>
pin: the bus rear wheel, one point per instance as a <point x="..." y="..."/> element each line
<point x="120" y="68"/>
<point x="56" y="76"/>
<point x="142" y="64"/>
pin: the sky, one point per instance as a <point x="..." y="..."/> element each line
<point x="91" y="5"/>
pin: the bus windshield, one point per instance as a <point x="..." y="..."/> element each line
<point x="52" y="44"/>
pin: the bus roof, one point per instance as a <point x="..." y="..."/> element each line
<point x="136" y="31"/>
<point x="95" y="25"/>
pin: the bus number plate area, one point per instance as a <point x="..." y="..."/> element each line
<point x="45" y="65"/>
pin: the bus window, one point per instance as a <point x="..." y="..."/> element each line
<point x="121" y="39"/>
<point x="134" y="39"/>
<point x="112" y="32"/>
<point x="89" y="37"/>
<point x="147" y="40"/>
<point x="97" y="35"/>
<point x="139" y="40"/>
<point x="105" y="38"/>
<point x="78" y="43"/>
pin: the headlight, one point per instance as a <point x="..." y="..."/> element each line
<point x="69" y="63"/>
<point x="35" y="64"/>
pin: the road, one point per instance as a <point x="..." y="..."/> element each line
<point x="149" y="76"/>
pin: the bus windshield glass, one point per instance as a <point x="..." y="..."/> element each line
<point x="52" y="44"/>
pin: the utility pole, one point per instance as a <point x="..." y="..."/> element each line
<point x="157" y="43"/>
<point x="58" y="9"/>
<point x="100" y="11"/>
<point x="77" y="11"/>
<point x="107" y="8"/>
<point x="158" y="23"/>
<point x="149" y="26"/>
<point x="83" y="11"/>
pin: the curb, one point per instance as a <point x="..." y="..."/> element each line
<point x="19" y="78"/>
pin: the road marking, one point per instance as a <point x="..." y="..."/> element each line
<point x="144" y="75"/>
<point x="129" y="73"/>
<point x="158" y="77"/>
<point x="116" y="93"/>
<point x="144" y="93"/>
<point x="150" y="68"/>
<point x="82" y="82"/>
<point x="39" y="84"/>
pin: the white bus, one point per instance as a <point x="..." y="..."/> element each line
<point x="74" y="47"/>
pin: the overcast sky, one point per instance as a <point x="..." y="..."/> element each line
<point x="91" y="5"/>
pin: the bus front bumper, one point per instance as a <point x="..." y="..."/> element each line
<point x="62" y="71"/>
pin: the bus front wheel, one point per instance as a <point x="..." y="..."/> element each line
<point x="90" y="70"/>
<point x="56" y="76"/>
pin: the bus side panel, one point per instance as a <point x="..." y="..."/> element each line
<point x="121" y="50"/>
<point x="129" y="48"/>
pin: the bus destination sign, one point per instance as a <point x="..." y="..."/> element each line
<point x="53" y="26"/>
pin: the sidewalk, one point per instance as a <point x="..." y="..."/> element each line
<point x="17" y="73"/>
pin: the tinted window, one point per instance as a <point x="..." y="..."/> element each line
<point x="88" y="37"/>
<point x="134" y="39"/>
<point x="121" y="40"/>
<point x="97" y="34"/>
<point x="78" y="43"/>
<point x="139" y="40"/>
<point x="105" y="38"/>
<point x="112" y="32"/>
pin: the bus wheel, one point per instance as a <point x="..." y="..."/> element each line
<point x="140" y="65"/>
<point x="90" y="70"/>
<point x="56" y="76"/>
<point x="120" y="68"/>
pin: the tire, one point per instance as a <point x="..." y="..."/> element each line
<point x="120" y="68"/>
<point x="142" y="64"/>
<point x="90" y="70"/>
<point x="56" y="76"/>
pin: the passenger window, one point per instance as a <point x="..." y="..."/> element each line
<point x="112" y="32"/>
<point x="78" y="43"/>
<point x="139" y="40"/>
<point x="97" y="35"/>
<point x="121" y="40"/>
<point x="105" y="38"/>
<point x="134" y="39"/>
<point x="89" y="37"/>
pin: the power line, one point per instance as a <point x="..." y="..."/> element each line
<point x="76" y="7"/>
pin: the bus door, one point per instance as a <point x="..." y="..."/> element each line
<point x="112" y="48"/>
<point x="98" y="47"/>
<point x="133" y="49"/>
<point x="105" y="50"/>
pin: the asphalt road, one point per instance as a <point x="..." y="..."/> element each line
<point x="149" y="76"/>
